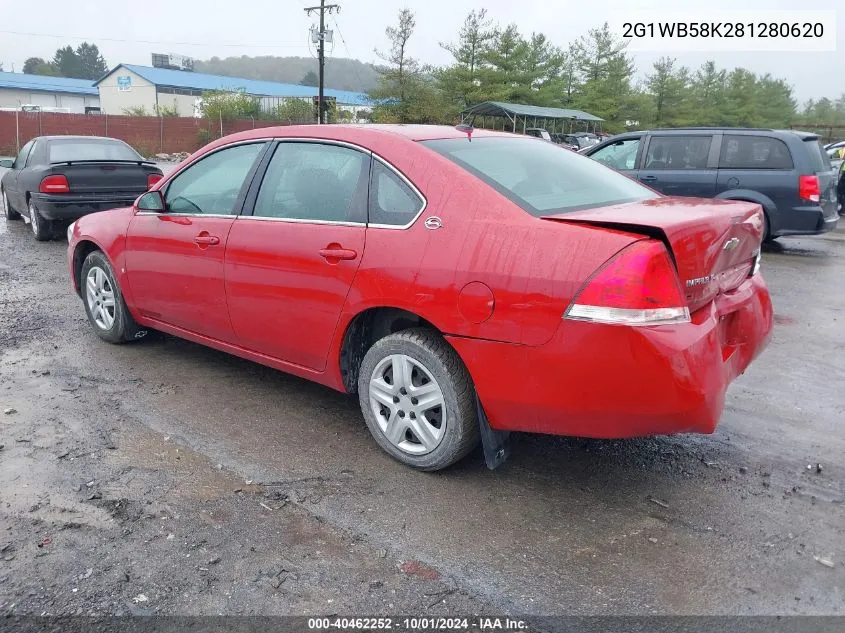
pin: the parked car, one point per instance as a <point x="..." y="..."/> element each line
<point x="784" y="171"/>
<point x="585" y="139"/>
<point x="456" y="283"/>
<point x="834" y="153"/>
<point x="538" y="132"/>
<point x="56" y="178"/>
<point x="567" y="140"/>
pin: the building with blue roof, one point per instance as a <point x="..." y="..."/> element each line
<point x="18" y="90"/>
<point x="131" y="87"/>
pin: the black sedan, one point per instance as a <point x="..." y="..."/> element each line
<point x="61" y="178"/>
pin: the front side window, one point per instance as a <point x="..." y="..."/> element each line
<point x="754" y="152"/>
<point x="678" y="152"/>
<point x="212" y="184"/>
<point x="392" y="201"/>
<point x="314" y="181"/>
<point x="542" y="178"/>
<point x="619" y="155"/>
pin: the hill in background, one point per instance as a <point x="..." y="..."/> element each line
<point x="341" y="73"/>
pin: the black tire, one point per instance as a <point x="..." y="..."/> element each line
<point x="768" y="238"/>
<point x="8" y="212"/>
<point x="42" y="228"/>
<point x="442" y="362"/>
<point x="123" y="327"/>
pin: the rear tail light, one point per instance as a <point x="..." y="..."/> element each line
<point x="152" y="179"/>
<point x="54" y="184"/>
<point x="809" y="188"/>
<point x="638" y="287"/>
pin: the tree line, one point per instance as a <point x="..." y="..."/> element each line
<point x="83" y="62"/>
<point x="595" y="74"/>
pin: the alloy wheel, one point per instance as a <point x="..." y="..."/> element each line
<point x="99" y="295"/>
<point x="408" y="404"/>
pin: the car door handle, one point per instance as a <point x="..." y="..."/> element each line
<point x="648" y="178"/>
<point x="206" y="239"/>
<point x="337" y="252"/>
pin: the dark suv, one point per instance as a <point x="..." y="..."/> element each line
<point x="785" y="171"/>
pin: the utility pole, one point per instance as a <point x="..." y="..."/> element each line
<point x="321" y="52"/>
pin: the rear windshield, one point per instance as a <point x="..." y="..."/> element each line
<point x="94" y="149"/>
<point x="818" y="157"/>
<point x="542" y="178"/>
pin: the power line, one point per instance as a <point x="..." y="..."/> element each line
<point x="348" y="54"/>
<point x="111" y="39"/>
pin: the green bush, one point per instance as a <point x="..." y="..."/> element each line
<point x="203" y="137"/>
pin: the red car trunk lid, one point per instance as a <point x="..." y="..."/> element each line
<point x="714" y="242"/>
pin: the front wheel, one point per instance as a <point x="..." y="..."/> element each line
<point x="42" y="228"/>
<point x="418" y="399"/>
<point x="8" y="212"/>
<point x="104" y="304"/>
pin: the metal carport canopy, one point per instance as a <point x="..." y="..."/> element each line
<point x="513" y="110"/>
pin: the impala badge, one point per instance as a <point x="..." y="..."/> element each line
<point x="433" y="222"/>
<point x="731" y="244"/>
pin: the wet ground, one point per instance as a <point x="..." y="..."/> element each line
<point x="164" y="477"/>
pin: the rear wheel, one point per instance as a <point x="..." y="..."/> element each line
<point x="8" y="212"/>
<point x="418" y="399"/>
<point x="42" y="228"/>
<point x="104" y="304"/>
<point x="768" y="238"/>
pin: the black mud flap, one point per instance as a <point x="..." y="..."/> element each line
<point x="496" y="444"/>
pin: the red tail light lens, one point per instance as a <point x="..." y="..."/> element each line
<point x="639" y="286"/>
<point x="152" y="179"/>
<point x="809" y="189"/>
<point x="54" y="184"/>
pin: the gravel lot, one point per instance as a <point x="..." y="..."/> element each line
<point x="164" y="477"/>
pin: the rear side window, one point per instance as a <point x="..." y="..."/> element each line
<point x="678" y="152"/>
<point x="819" y="160"/>
<point x="542" y="178"/>
<point x="314" y="182"/>
<point x="754" y="152"/>
<point x="392" y="201"/>
<point x="94" y="149"/>
<point x="23" y="155"/>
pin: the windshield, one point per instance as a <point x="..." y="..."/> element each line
<point x="62" y="150"/>
<point x="542" y="178"/>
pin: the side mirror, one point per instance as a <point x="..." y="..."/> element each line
<point x="150" y="201"/>
<point x="8" y="163"/>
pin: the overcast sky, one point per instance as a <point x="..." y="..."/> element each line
<point x="129" y="31"/>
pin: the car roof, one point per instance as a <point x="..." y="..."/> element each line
<point x="76" y="137"/>
<point x="358" y="133"/>
<point x="410" y="132"/>
<point x="804" y="136"/>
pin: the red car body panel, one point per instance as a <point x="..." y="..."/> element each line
<point x="494" y="280"/>
<point x="607" y="381"/>
<point x="276" y="281"/>
<point x="173" y="275"/>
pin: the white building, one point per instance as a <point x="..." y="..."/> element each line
<point x="56" y="94"/>
<point x="129" y="88"/>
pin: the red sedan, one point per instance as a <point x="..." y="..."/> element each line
<point x="461" y="285"/>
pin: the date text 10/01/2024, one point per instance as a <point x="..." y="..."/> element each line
<point x="417" y="624"/>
